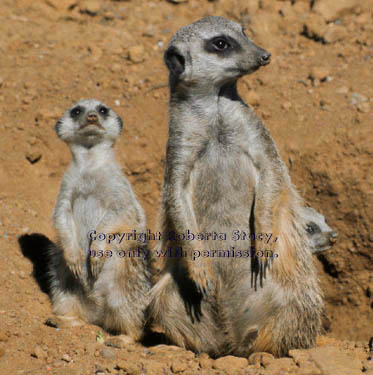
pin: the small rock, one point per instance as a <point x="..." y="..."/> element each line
<point x="154" y="368"/>
<point x="61" y="4"/>
<point x="5" y="338"/>
<point x="335" y="34"/>
<point x="107" y="353"/>
<point x="52" y="322"/>
<point x="33" y="156"/>
<point x="22" y="275"/>
<point x="128" y="367"/>
<point x="91" y="7"/>
<point x="330" y="10"/>
<point x="286" y="106"/>
<point x="357" y="98"/>
<point x="99" y="368"/>
<point x="47" y="115"/>
<point x="27" y="99"/>
<point x="230" y="363"/>
<point x="331" y="360"/>
<point x="116" y="68"/>
<point x="119" y="342"/>
<point x="38" y="352"/>
<point x="319" y="72"/>
<point x="178" y="366"/>
<point x="253" y="98"/>
<point x="362" y="19"/>
<point x="342" y="90"/>
<point x="149" y="31"/>
<point x="136" y="54"/>
<point x="303" y="360"/>
<point x="66" y="358"/>
<point x="314" y="27"/>
<point x="261" y="358"/>
<point x="58" y="364"/>
<point x="281" y="366"/>
<point x="364" y="107"/>
<point x="205" y="361"/>
<point x="95" y="52"/>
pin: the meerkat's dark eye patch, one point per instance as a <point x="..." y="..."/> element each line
<point x="76" y="112"/>
<point x="102" y="110"/>
<point x="312" y="228"/>
<point x="222" y="45"/>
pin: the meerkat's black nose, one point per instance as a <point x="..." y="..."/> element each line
<point x="265" y="58"/>
<point x="333" y="236"/>
<point x="92" y="117"/>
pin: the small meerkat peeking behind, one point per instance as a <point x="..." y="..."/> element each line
<point x="104" y="283"/>
<point x="223" y="174"/>
<point x="321" y="236"/>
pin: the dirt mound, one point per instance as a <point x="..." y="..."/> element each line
<point x="316" y="97"/>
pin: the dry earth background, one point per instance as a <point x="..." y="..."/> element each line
<point x="316" y="98"/>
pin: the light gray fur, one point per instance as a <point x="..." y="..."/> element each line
<point x="95" y="195"/>
<point x="321" y="236"/>
<point x="223" y="172"/>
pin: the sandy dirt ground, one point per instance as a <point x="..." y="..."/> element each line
<point x="316" y="98"/>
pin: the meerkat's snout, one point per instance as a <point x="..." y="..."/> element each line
<point x="333" y="237"/>
<point x="92" y="117"/>
<point x="265" y="59"/>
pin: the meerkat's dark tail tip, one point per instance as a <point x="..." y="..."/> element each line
<point x="36" y="247"/>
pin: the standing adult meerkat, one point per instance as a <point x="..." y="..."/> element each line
<point x="223" y="173"/>
<point x="87" y="281"/>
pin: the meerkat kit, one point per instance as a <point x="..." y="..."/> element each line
<point x="96" y="197"/>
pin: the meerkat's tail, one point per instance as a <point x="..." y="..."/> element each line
<point x="36" y="247"/>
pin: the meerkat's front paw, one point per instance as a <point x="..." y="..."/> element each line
<point x="96" y="259"/>
<point x="75" y="262"/>
<point x="96" y="265"/>
<point x="203" y="281"/>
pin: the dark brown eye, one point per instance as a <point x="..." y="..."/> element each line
<point x="221" y="44"/>
<point x="310" y="229"/>
<point x="103" y="110"/>
<point x="75" y="112"/>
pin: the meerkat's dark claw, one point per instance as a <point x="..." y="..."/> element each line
<point x="76" y="270"/>
<point x="96" y="267"/>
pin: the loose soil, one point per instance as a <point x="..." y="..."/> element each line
<point x="316" y="98"/>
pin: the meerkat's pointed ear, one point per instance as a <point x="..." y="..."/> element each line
<point x="174" y="60"/>
<point x="57" y="127"/>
